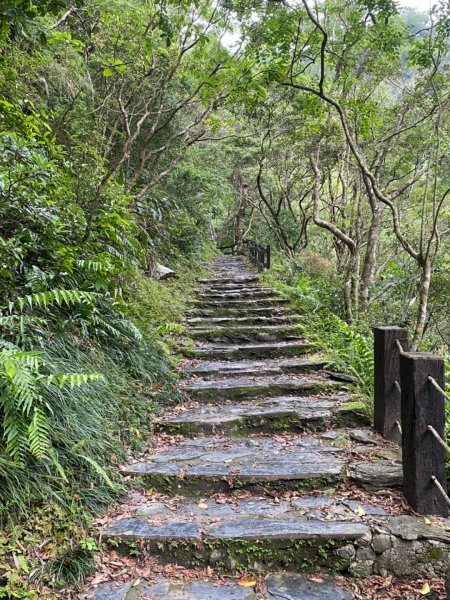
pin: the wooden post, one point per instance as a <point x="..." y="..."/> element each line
<point x="387" y="400"/>
<point x="423" y="456"/>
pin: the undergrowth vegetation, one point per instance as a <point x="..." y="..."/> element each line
<point x="347" y="348"/>
<point x="85" y="331"/>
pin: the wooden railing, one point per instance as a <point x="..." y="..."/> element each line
<point x="409" y="408"/>
<point x="259" y="255"/>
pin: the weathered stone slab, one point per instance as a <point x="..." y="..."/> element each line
<point x="411" y="528"/>
<point x="233" y="293"/>
<point x="364" y="436"/>
<point x="220" y="369"/>
<point x="244" y="333"/>
<point x="218" y="463"/>
<point x="300" y="529"/>
<point x="300" y="587"/>
<point x="279" y="586"/>
<point x="236" y="311"/>
<point x="378" y="475"/>
<point x="243" y="302"/>
<point x="208" y="528"/>
<point x="210" y="322"/>
<point x="205" y="390"/>
<point x="138" y="528"/>
<point x="247" y="278"/>
<point x="269" y="349"/>
<point x="282" y="413"/>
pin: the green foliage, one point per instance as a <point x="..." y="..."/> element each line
<point x="348" y="348"/>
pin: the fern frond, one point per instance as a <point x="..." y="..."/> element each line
<point x="73" y="379"/>
<point x="98" y="469"/>
<point x="51" y="298"/>
<point x="38" y="434"/>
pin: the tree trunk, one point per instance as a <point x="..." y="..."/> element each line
<point x="239" y="224"/>
<point x="370" y="256"/>
<point x="348" y="297"/>
<point x="422" y="311"/>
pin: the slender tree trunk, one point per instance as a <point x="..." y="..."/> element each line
<point x="239" y="225"/>
<point x="348" y="301"/>
<point x="422" y="311"/>
<point x="370" y="257"/>
<point x="356" y="273"/>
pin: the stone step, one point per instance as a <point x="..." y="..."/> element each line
<point x="236" y="311"/>
<point x="255" y="292"/>
<point x="268" y="349"/>
<point x="278" y="586"/>
<point x="259" y="534"/>
<point x="209" y="322"/>
<point x="251" y="387"/>
<point x="221" y="370"/>
<point x="251" y="533"/>
<point x="204" y="465"/>
<point x="229" y="279"/>
<point x="232" y="287"/>
<point x="244" y="303"/>
<point x="283" y="413"/>
<point x="246" y="333"/>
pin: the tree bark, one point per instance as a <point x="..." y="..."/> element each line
<point x="422" y="311"/>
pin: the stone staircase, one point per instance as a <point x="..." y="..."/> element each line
<point x="268" y="467"/>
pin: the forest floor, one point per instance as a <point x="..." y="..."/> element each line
<point x="267" y="481"/>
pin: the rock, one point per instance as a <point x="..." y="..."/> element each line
<point x="365" y="436"/>
<point x="378" y="475"/>
<point x="162" y="272"/>
<point x="215" y="556"/>
<point x="346" y="377"/>
<point x="415" y="559"/>
<point x="381" y="543"/>
<point x="413" y="528"/>
<point x="300" y="587"/>
<point x="362" y="569"/>
<point x="365" y="540"/>
<point x="364" y="554"/>
<point x="346" y="552"/>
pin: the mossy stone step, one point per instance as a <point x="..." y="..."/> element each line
<point x="204" y="465"/>
<point x="284" y="413"/>
<point x="243" y="293"/>
<point x="243" y="302"/>
<point x="229" y="279"/>
<point x="247" y="333"/>
<point x="208" y="323"/>
<point x="279" y="586"/>
<point x="232" y="351"/>
<point x="217" y="390"/>
<point x="238" y="311"/>
<point x="221" y="370"/>
<point x="243" y="532"/>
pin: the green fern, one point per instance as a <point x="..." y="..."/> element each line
<point x="23" y="387"/>
<point x="51" y="298"/>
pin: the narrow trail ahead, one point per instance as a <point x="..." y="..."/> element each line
<point x="268" y="467"/>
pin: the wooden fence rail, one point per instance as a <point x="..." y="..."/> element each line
<point x="409" y="408"/>
<point x="259" y="255"/>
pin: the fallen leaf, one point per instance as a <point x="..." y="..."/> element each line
<point x="202" y="505"/>
<point x="247" y="582"/>
<point x="360" y="511"/>
<point x="425" y="589"/>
